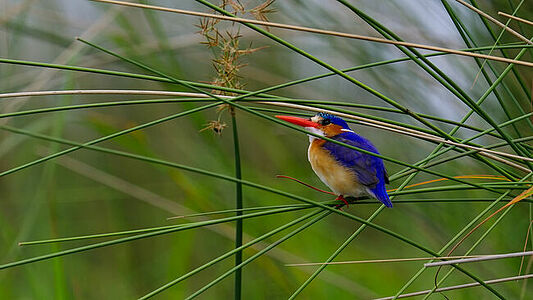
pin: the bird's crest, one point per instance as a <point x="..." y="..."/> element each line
<point x="330" y="125"/>
<point x="333" y="119"/>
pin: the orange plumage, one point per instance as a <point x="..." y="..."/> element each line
<point x="337" y="177"/>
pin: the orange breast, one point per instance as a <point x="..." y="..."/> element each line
<point x="339" y="179"/>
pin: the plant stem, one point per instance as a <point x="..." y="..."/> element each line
<point x="238" y="206"/>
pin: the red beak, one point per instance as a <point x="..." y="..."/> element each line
<point x="299" y="121"/>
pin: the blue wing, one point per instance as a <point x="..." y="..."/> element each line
<point x="369" y="169"/>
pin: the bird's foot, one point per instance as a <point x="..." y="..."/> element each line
<point x="341" y="198"/>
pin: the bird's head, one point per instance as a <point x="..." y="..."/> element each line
<point x="322" y="123"/>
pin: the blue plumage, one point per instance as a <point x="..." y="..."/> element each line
<point x="370" y="170"/>
<point x="333" y="119"/>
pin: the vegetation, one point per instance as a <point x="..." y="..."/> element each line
<point x="141" y="156"/>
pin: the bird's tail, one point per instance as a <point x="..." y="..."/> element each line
<point x="380" y="193"/>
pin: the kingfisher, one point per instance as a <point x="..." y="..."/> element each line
<point x="347" y="172"/>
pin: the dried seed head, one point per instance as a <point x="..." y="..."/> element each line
<point x="216" y="126"/>
<point x="236" y="5"/>
<point x="222" y="107"/>
<point x="228" y="52"/>
<point x="261" y="11"/>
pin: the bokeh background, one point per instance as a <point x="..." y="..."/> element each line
<point x="89" y="192"/>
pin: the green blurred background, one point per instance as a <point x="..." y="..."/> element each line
<point x="91" y="192"/>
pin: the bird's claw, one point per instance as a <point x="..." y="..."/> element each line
<point x="341" y="198"/>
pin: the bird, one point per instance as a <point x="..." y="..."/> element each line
<point x="347" y="172"/>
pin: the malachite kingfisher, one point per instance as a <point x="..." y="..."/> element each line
<point x="347" y="172"/>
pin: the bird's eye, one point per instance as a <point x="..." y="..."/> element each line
<point x="325" y="122"/>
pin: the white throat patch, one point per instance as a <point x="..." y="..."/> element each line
<point x="315" y="131"/>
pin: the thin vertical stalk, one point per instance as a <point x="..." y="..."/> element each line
<point x="238" y="206"/>
<point x="230" y="253"/>
<point x="268" y="248"/>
